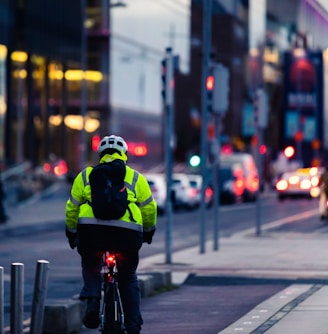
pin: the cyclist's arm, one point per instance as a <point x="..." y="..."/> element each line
<point x="73" y="203"/>
<point x="147" y="204"/>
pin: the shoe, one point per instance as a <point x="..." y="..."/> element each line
<point x="91" y="318"/>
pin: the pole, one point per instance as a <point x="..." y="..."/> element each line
<point x="169" y="146"/>
<point x="39" y="297"/>
<point x="260" y="169"/>
<point x="207" y="28"/>
<point x="216" y="227"/>
<point x="17" y="298"/>
<point x="84" y="90"/>
<point x="20" y="114"/>
<point x="2" y="302"/>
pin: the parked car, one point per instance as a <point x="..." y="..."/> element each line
<point x="157" y="185"/>
<point x="195" y="181"/>
<point x="251" y="175"/>
<point x="186" y="195"/>
<point x="180" y="188"/>
<point x="303" y="182"/>
<point x="231" y="183"/>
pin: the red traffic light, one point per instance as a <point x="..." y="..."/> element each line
<point x="210" y="82"/>
<point x="95" y="142"/>
<point x="263" y="149"/>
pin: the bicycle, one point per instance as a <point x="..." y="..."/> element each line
<point x="111" y="315"/>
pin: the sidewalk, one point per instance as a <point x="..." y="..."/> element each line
<point x="302" y="259"/>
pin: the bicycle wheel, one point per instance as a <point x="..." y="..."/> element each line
<point x="113" y="311"/>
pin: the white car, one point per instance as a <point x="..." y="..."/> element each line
<point x="195" y="181"/>
<point x="186" y="195"/>
<point x="157" y="185"/>
<point x="302" y="182"/>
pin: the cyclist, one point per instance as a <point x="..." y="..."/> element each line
<point x="125" y="235"/>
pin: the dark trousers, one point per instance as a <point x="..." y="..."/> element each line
<point x="127" y="263"/>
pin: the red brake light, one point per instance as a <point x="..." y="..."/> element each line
<point x="47" y="167"/>
<point x="193" y="192"/>
<point x="208" y="192"/>
<point x="61" y="168"/>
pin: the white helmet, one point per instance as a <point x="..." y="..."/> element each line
<point x="115" y="142"/>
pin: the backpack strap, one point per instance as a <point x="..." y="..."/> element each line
<point x="132" y="186"/>
<point x="84" y="177"/>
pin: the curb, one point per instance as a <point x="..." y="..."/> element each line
<point x="65" y="316"/>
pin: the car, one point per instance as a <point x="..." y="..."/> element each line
<point x="303" y="182"/>
<point x="185" y="195"/>
<point x="180" y="188"/>
<point x="251" y="175"/>
<point x="157" y="185"/>
<point x="231" y="184"/>
<point x="195" y="181"/>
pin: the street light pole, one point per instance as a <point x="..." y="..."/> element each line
<point x="207" y="38"/>
<point x="84" y="91"/>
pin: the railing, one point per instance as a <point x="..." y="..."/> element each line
<point x="17" y="299"/>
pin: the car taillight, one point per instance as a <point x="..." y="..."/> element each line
<point x="193" y="192"/>
<point x="315" y="181"/>
<point x="61" y="168"/>
<point x="282" y="185"/>
<point x="305" y="184"/>
<point x="46" y="167"/>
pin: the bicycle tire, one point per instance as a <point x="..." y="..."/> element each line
<point x="113" y="320"/>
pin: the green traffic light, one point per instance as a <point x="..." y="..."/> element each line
<point x="194" y="161"/>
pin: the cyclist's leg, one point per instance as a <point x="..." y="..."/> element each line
<point x="130" y="294"/>
<point x="90" y="260"/>
<point x="92" y="287"/>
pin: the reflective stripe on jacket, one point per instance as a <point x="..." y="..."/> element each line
<point x="141" y="203"/>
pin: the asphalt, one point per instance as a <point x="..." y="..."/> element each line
<point x="301" y="308"/>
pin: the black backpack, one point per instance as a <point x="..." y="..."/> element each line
<point x="109" y="198"/>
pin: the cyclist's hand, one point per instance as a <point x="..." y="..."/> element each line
<point x="148" y="236"/>
<point x="72" y="238"/>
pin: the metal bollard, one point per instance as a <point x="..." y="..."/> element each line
<point x="2" y="302"/>
<point x="39" y="296"/>
<point x="17" y="298"/>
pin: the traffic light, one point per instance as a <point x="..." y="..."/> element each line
<point x="262" y="149"/>
<point x="95" y="142"/>
<point x="209" y="89"/>
<point x="217" y="87"/>
<point x="194" y="160"/>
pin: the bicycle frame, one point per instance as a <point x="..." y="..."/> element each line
<point x="112" y="315"/>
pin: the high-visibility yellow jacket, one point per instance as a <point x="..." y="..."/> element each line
<point x="141" y="202"/>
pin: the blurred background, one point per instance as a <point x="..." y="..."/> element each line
<point x="74" y="71"/>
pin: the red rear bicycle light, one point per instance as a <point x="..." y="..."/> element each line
<point x="110" y="259"/>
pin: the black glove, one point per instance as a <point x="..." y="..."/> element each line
<point x="72" y="238"/>
<point x="148" y="236"/>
